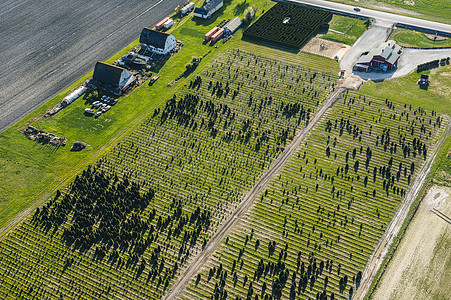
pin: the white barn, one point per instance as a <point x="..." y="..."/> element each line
<point x="156" y="41"/>
<point x="209" y="8"/>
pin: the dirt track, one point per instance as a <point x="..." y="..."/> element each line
<point x="47" y="45"/>
<point x="198" y="261"/>
<point x="381" y="250"/>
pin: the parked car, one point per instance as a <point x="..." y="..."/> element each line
<point x="96" y="103"/>
<point x="98" y="114"/>
<point x="106" y="108"/>
<point x="89" y="111"/>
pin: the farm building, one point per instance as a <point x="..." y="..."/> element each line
<point x="157" y="42"/>
<point x="232" y="26"/>
<point x="209" y="8"/>
<point x="112" y="79"/>
<point x="385" y="57"/>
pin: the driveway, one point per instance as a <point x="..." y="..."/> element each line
<point x="371" y="38"/>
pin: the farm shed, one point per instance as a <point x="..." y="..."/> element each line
<point x="187" y="8"/>
<point x="232" y="26"/>
<point x="157" y="42"/>
<point x="112" y="79"/>
<point x="385" y="56"/>
<point x="211" y="32"/>
<point x="209" y="8"/>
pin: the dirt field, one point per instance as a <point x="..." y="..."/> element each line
<point x="325" y="48"/>
<point x="421" y="267"/>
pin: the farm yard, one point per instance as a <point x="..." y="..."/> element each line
<point x="169" y="184"/>
<point x="288" y="24"/>
<point x="311" y="232"/>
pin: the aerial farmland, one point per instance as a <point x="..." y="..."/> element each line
<point x="235" y="153"/>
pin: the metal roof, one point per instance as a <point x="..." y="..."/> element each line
<point x="233" y="24"/>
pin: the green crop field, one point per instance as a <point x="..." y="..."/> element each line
<point x="156" y="197"/>
<point x="288" y="24"/>
<point x="312" y="231"/>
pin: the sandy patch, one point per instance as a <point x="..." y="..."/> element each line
<point x="325" y="48"/>
<point x="420" y="268"/>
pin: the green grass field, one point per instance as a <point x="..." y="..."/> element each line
<point x="406" y="90"/>
<point x="349" y="29"/>
<point x="434" y="10"/>
<point x="410" y="38"/>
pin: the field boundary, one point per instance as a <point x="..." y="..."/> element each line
<point x="201" y="258"/>
<point x="379" y="255"/>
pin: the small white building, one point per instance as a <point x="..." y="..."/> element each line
<point x="156" y="41"/>
<point x="209" y="8"/>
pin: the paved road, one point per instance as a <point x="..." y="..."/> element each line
<point x="199" y="260"/>
<point x="46" y="45"/>
<point x="379" y="15"/>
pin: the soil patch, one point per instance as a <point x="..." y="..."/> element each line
<point x="420" y="268"/>
<point x="325" y="48"/>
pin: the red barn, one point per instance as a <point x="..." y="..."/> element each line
<point x="385" y="57"/>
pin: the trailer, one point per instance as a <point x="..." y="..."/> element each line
<point x="160" y="24"/>
<point x="187" y="8"/>
<point x="211" y="32"/>
<point x="168" y="24"/>
<point x="215" y="37"/>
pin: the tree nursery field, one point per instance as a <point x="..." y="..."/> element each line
<point x="126" y="226"/>
<point x="312" y="230"/>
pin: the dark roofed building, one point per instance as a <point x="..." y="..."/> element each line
<point x="112" y="78"/>
<point x="156" y="41"/>
<point x="209" y="8"/>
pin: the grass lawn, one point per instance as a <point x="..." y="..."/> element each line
<point x="345" y="29"/>
<point x="30" y="172"/>
<point x="410" y="38"/>
<point x="406" y="90"/>
<point x="434" y="10"/>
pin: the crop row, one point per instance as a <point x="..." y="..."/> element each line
<point x="312" y="231"/>
<point x="127" y="226"/>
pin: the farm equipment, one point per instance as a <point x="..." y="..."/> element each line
<point x="153" y="79"/>
<point x="424" y="80"/>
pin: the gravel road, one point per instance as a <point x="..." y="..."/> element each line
<point x="46" y="45"/>
<point x="200" y="259"/>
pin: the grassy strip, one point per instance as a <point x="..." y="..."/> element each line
<point x="410" y="38"/>
<point x="349" y="29"/>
